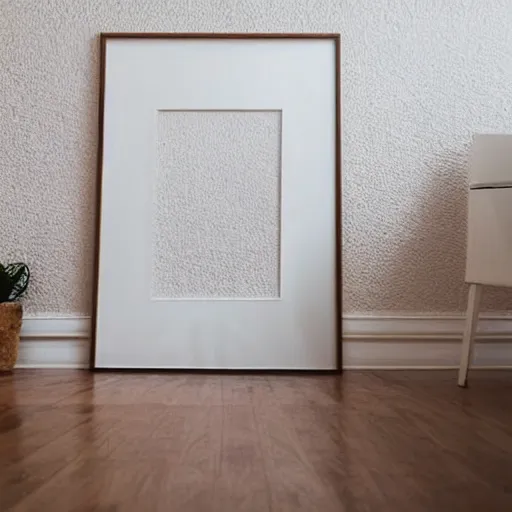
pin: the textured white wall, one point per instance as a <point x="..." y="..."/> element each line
<point x="419" y="77"/>
<point x="217" y="204"/>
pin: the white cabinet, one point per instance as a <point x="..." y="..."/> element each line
<point x="489" y="248"/>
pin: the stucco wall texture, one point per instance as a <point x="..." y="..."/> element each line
<point x="216" y="213"/>
<point x="419" y="77"/>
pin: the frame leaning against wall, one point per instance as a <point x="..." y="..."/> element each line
<point x="104" y="37"/>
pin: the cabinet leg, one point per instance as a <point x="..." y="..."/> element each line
<point x="475" y="293"/>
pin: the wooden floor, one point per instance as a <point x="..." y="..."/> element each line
<point x="374" y="441"/>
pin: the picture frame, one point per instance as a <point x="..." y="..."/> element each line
<point x="106" y="38"/>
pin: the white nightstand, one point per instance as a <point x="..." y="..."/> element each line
<point x="489" y="248"/>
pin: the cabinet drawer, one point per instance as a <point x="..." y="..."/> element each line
<point x="489" y="252"/>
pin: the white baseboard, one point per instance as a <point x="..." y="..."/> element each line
<point x="422" y="355"/>
<point x="369" y="342"/>
<point x="58" y="342"/>
<point x="423" y="342"/>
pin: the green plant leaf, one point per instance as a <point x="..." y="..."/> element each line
<point x="6" y="285"/>
<point x="19" y="276"/>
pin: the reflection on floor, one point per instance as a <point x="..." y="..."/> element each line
<point x="372" y="441"/>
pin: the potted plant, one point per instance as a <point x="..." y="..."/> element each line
<point x="13" y="284"/>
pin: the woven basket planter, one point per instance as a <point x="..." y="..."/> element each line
<point x="10" y="328"/>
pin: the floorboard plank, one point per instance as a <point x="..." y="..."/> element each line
<point x="362" y="441"/>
